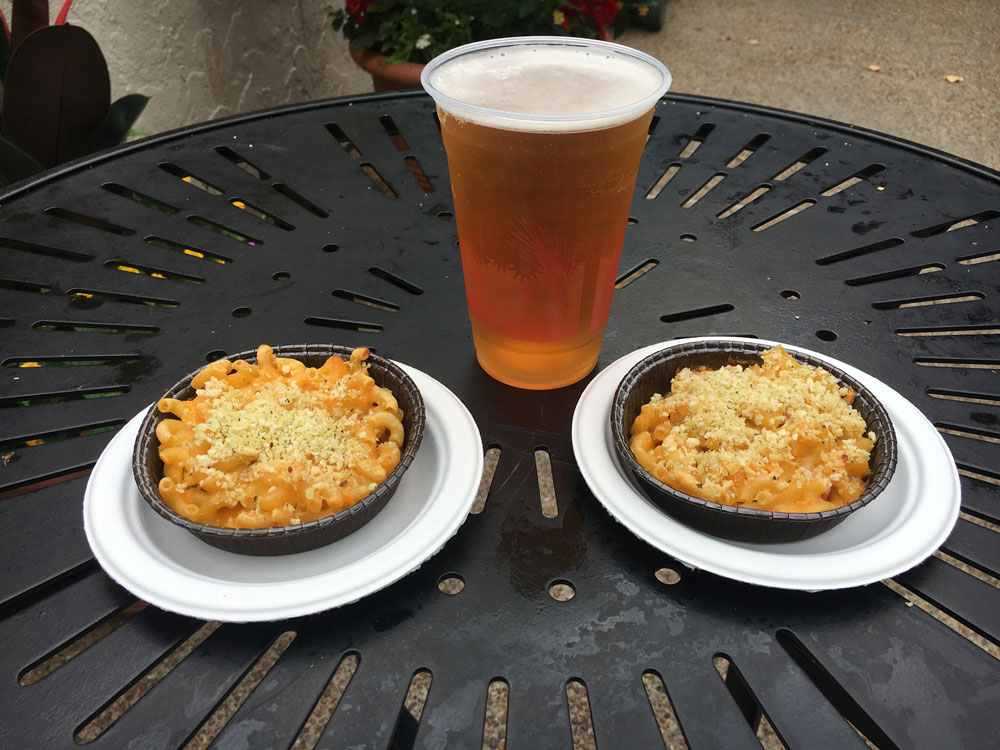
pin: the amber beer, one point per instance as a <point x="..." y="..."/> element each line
<point x="543" y="137"/>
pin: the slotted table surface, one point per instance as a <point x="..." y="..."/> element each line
<point x="330" y="222"/>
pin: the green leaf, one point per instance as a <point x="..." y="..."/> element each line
<point x="4" y="54"/>
<point x="56" y="94"/>
<point x="368" y="40"/>
<point x="122" y="115"/>
<point x="14" y="163"/>
<point x="622" y="21"/>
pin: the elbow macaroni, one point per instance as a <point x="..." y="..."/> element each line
<point x="276" y="442"/>
<point x="780" y="436"/>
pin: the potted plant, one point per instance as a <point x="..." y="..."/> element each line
<point x="392" y="39"/>
<point x="56" y="93"/>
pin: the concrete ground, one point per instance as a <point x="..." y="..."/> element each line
<point x="815" y="57"/>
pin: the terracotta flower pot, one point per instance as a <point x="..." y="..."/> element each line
<point x="404" y="75"/>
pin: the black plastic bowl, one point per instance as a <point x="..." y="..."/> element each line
<point x="282" y="540"/>
<point x="653" y="375"/>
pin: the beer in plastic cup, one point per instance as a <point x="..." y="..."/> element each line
<point x="543" y="137"/>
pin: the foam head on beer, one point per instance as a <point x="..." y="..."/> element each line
<point x="566" y="87"/>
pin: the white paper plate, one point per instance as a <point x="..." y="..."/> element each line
<point x="172" y="569"/>
<point x="906" y="523"/>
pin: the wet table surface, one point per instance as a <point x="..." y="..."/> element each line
<point x="331" y="222"/>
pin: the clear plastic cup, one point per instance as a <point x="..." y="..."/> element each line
<point x="543" y="137"/>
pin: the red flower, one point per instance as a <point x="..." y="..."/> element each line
<point x="356" y="9"/>
<point x="597" y="13"/>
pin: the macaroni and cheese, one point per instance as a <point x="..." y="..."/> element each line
<point x="276" y="442"/>
<point x="781" y="436"/>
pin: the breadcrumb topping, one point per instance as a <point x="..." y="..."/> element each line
<point x="779" y="436"/>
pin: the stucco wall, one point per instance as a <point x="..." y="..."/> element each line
<point x="202" y="59"/>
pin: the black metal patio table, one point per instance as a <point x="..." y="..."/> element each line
<point x="331" y="222"/>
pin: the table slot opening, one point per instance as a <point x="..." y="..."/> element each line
<point x="990" y="329"/>
<point x="389" y="125"/>
<point x="971" y="398"/>
<point x="663" y="180"/>
<point x="636" y="273"/>
<point x="967" y="630"/>
<point x="972" y="260"/>
<point x="54" y="478"/>
<point x="490" y="461"/>
<point x="747" y="702"/>
<point x="803" y="161"/>
<point x="72" y="648"/>
<point x="26" y="286"/>
<point x="697" y="312"/>
<point x="975" y="364"/>
<point x="973" y="568"/>
<point x="54" y="436"/>
<point x="743" y="202"/>
<point x="784" y="215"/>
<point x="341" y="137"/>
<point x="59" y="397"/>
<point x="971" y="433"/>
<point x="955" y="224"/>
<point x="71" y="361"/>
<point x="247" y="166"/>
<point x="89" y="221"/>
<point x="89" y="299"/>
<point x="399" y="281"/>
<point x="217" y="720"/>
<point x="581" y="722"/>
<point x="663" y="711"/>
<point x="86" y="326"/>
<point x="495" y="720"/>
<point x="259" y="213"/>
<point x="695" y="141"/>
<point x="900" y="273"/>
<point x="875" y="247"/>
<point x="344" y="325"/>
<point x="362" y="299"/>
<point x="404" y="734"/>
<point x="127" y="266"/>
<point x="418" y="173"/>
<point x="327" y="702"/>
<point x="546" y="485"/>
<point x="44" y="250"/>
<point x="98" y="723"/>
<point x="451" y="584"/>
<point x="141" y="198"/>
<point x="978" y="472"/>
<point x="937" y="299"/>
<point x="704" y="189"/>
<point x="866" y="727"/>
<point x="748" y="150"/>
<point x="232" y="234"/>
<point x="853" y="180"/>
<point x="191" y="179"/>
<point x="376" y="177"/>
<point x="193" y="252"/>
<point x="562" y="590"/>
<point x="667" y="576"/>
<point x="300" y="200"/>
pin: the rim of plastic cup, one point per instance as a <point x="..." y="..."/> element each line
<point x="450" y="103"/>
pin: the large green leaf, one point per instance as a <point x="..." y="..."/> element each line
<point x="56" y="94"/>
<point x="122" y="115"/>
<point x="27" y="16"/>
<point x="15" y="164"/>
